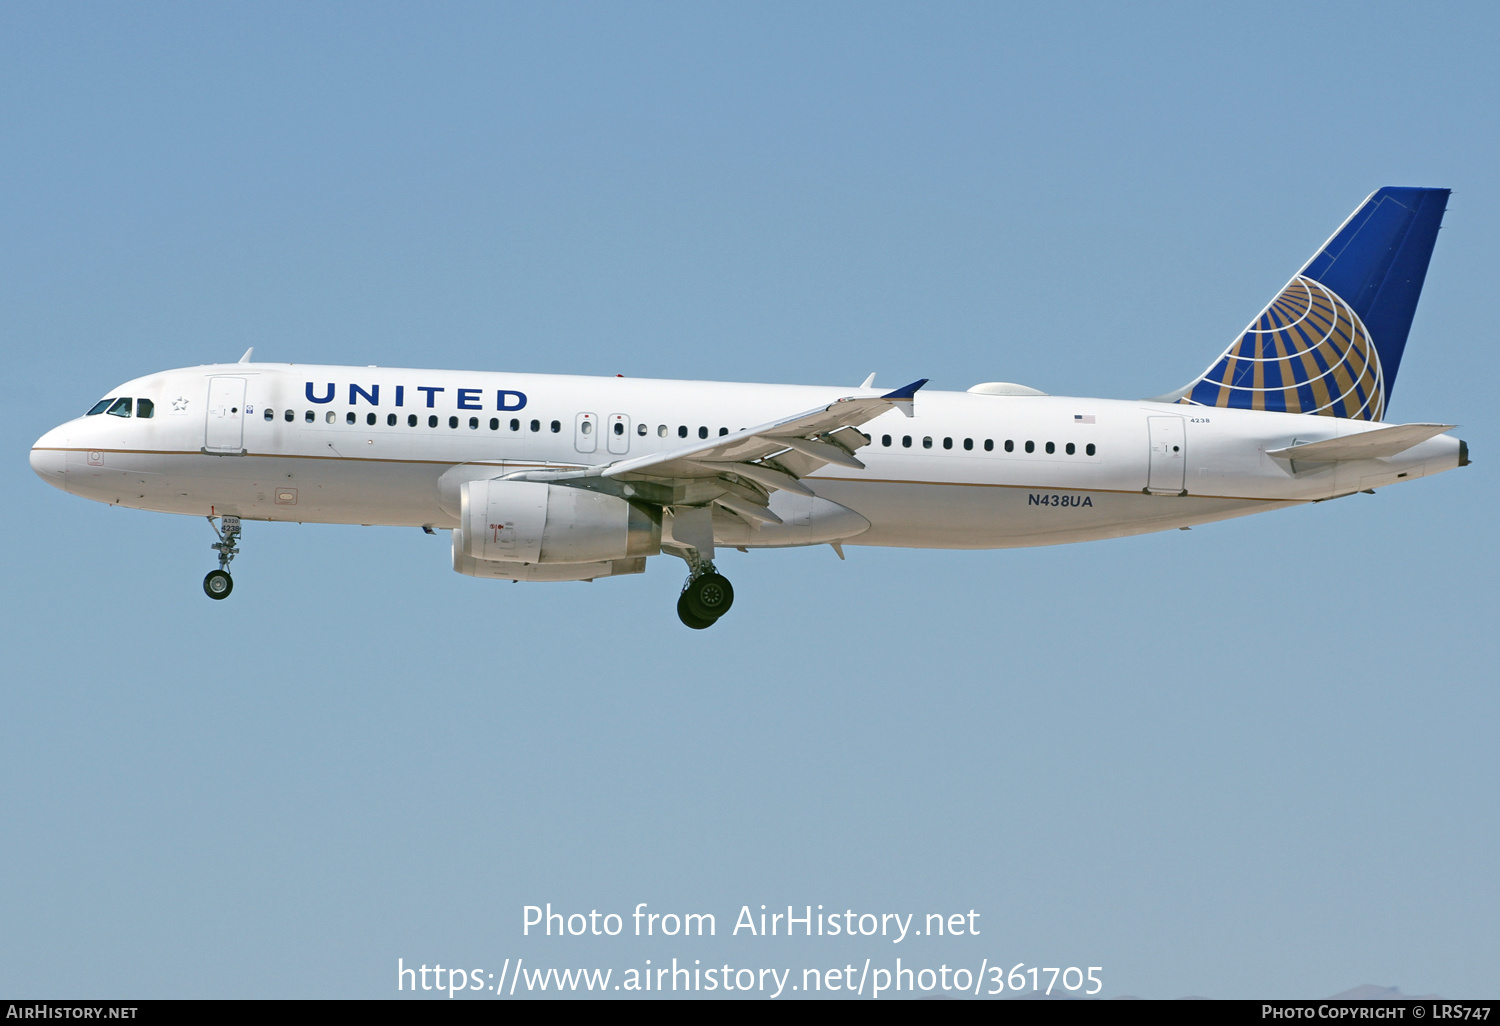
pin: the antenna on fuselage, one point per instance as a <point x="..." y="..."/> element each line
<point x="246" y="357"/>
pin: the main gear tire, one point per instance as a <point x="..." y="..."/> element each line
<point x="709" y="596"/>
<point x="687" y="616"/>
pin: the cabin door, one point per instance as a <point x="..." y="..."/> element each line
<point x="1168" y="472"/>
<point x="224" y="431"/>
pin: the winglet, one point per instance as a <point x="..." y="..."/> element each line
<point x="904" y="395"/>
<point x="246" y="357"/>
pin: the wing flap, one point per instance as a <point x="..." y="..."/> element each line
<point x="768" y="477"/>
<point x="753" y="512"/>
<point x="818" y="449"/>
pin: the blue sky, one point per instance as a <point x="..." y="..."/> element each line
<point x="1253" y="759"/>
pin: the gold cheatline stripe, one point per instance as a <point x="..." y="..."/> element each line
<point x="845" y="480"/>
<point x="1034" y="488"/>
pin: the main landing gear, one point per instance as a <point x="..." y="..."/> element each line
<point x="218" y="584"/>
<point x="705" y="597"/>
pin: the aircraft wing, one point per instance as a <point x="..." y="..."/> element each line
<point x="1366" y="445"/>
<point x="740" y="470"/>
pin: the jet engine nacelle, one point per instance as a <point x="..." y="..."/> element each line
<point x="533" y="522"/>
<point x="502" y="570"/>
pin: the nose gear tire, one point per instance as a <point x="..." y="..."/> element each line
<point x="218" y="584"/>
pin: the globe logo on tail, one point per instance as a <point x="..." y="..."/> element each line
<point x="1307" y="352"/>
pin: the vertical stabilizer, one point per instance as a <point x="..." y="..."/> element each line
<point x="1331" y="341"/>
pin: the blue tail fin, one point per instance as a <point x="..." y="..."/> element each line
<point x="1331" y="341"/>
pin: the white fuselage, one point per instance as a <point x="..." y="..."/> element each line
<point x="319" y="444"/>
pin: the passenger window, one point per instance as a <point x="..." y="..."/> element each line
<point x="1071" y="449"/>
<point x="702" y="432"/>
<point x="619" y="428"/>
<point x="885" y="440"/>
<point x="906" y="441"/>
<point x="390" y="420"/>
<point x="309" y="416"/>
<point x="453" y="423"/>
<point x="661" y="431"/>
<point x="723" y="431"/>
<point x="927" y="441"/>
<point x="349" y="417"/>
<point x="556" y="426"/>
<point x="432" y="420"/>
<point x="1089" y="449"/>
<point x="99" y="407"/>
<point x="290" y="416"/>
<point x="411" y="420"/>
<point x="494" y="423"/>
<point x="515" y="424"/>
<point x="146" y="408"/>
<point x="536" y="425"/>
<point x="370" y="419"/>
<point x="270" y="413"/>
<point x="1031" y="447"/>
<point x="1010" y="446"/>
<point x="587" y="427"/>
<point x="968" y="443"/>
<point x="989" y="445"/>
<point x="119" y="408"/>
<point x="1051" y="448"/>
<point x="947" y="443"/>
<point x="640" y="429"/>
<point x="681" y="430"/>
<point x="330" y="417"/>
<point x="473" y="423"/>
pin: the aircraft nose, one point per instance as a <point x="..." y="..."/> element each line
<point x="49" y="459"/>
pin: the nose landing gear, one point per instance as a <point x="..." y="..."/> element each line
<point x="218" y="584"/>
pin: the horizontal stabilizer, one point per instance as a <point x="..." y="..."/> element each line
<point x="1367" y="445"/>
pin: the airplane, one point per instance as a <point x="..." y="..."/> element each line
<point x="543" y="477"/>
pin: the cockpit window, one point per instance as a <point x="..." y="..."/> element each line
<point x="145" y="408"/>
<point x="99" y="407"/>
<point x="119" y="408"/>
